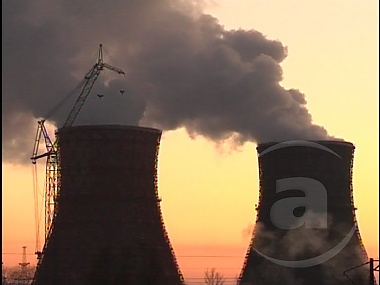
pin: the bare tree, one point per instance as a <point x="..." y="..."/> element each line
<point x="212" y="277"/>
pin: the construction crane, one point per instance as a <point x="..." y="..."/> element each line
<point x="52" y="170"/>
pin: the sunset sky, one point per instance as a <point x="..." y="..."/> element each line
<point x="208" y="184"/>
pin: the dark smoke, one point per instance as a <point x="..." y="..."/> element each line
<point x="183" y="69"/>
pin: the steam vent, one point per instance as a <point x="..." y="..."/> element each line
<point x="306" y="231"/>
<point x="109" y="227"/>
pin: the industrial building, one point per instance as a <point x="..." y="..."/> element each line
<point x="108" y="226"/>
<point x="309" y="183"/>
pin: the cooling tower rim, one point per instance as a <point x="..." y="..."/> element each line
<point x="322" y="142"/>
<point x="109" y="127"/>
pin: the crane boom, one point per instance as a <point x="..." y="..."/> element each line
<point x="90" y="78"/>
<point x="90" y="81"/>
<point x="110" y="67"/>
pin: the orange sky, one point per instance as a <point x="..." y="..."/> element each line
<point x="208" y="192"/>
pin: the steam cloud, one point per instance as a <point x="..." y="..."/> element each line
<point x="183" y="69"/>
<point x="300" y="244"/>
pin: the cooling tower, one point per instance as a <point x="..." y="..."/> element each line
<point x="306" y="231"/>
<point x="109" y="227"/>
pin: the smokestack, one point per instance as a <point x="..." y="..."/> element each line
<point x="109" y="227"/>
<point x="306" y="230"/>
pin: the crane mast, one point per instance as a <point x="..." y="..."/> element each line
<point x="51" y="173"/>
<point x="52" y="170"/>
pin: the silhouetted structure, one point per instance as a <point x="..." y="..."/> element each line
<point x="109" y="227"/>
<point x="24" y="278"/>
<point x="284" y="252"/>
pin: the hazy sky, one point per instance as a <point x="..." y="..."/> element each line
<point x="227" y="75"/>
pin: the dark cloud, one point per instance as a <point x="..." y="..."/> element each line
<point x="183" y="69"/>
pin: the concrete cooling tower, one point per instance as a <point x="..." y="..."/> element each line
<point x="306" y="231"/>
<point x="109" y="227"/>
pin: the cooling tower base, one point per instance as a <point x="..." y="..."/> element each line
<point x="306" y="231"/>
<point x="109" y="227"/>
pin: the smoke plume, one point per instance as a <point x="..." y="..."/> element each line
<point x="183" y="69"/>
<point x="300" y="244"/>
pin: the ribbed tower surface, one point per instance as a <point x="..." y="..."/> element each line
<point x="109" y="227"/>
<point x="310" y="183"/>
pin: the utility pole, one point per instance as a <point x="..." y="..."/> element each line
<point x="24" y="264"/>
<point x="371" y="272"/>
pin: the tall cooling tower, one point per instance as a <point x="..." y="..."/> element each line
<point x="109" y="227"/>
<point x="306" y="231"/>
